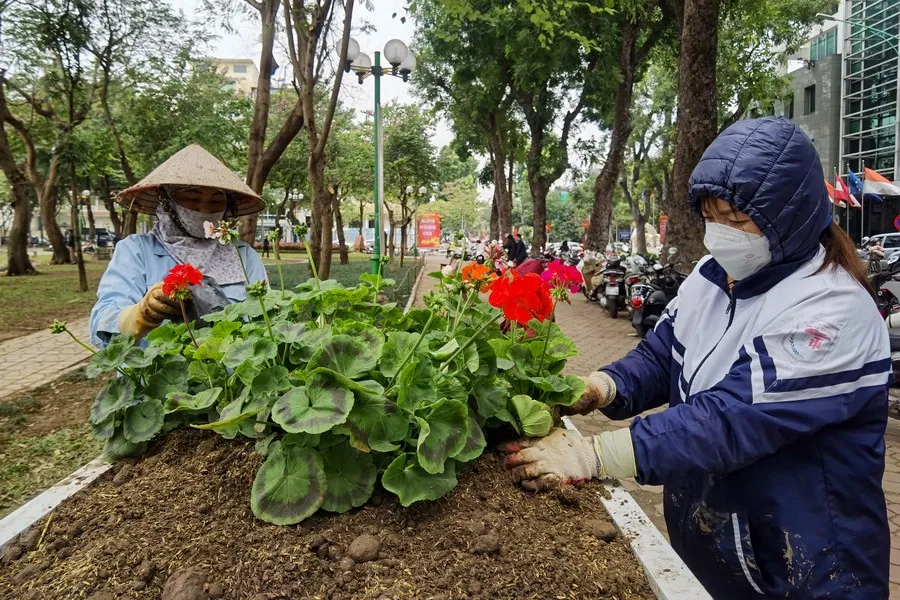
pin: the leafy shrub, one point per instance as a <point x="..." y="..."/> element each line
<point x="341" y="390"/>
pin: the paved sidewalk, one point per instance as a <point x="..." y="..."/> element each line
<point x="32" y="360"/>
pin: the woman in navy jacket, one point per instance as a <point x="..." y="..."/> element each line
<point x="775" y="364"/>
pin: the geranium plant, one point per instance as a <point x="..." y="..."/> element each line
<point x="339" y="390"/>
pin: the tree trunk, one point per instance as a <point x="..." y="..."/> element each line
<point x="501" y="189"/>
<point x="131" y="222"/>
<point x="92" y="229"/>
<point x="49" y="207"/>
<point x="17" y="244"/>
<point x="539" y="190"/>
<point x="323" y="216"/>
<point x="268" y="11"/>
<point x="339" y="225"/>
<point x="639" y="245"/>
<point x="605" y="185"/>
<point x="79" y="256"/>
<point x="110" y="205"/>
<point x="697" y="120"/>
<point x="495" y="217"/>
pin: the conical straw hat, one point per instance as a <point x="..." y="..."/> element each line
<point x="190" y="167"/>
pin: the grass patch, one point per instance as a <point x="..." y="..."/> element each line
<point x="31" y="302"/>
<point x="31" y="464"/>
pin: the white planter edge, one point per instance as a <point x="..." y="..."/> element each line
<point x="666" y="572"/>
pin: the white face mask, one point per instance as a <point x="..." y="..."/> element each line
<point x="741" y="254"/>
<point x="193" y="220"/>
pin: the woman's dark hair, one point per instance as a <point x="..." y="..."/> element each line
<point x="510" y="238"/>
<point x="840" y="252"/>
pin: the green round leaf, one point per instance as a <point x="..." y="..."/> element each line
<point x="344" y="355"/>
<point x="104" y="431"/>
<point x="255" y="350"/>
<point x="398" y="346"/>
<point x="143" y="421"/>
<point x="289" y="486"/>
<point x="442" y="434"/>
<point x="490" y="397"/>
<point x="118" y="394"/>
<point x="534" y="416"/>
<point x="288" y="333"/>
<point x="170" y="378"/>
<point x="213" y="349"/>
<point x="375" y="424"/>
<point x="316" y="408"/>
<point x="351" y="478"/>
<point x="412" y="483"/>
<point x="182" y="401"/>
<point x="111" y="357"/>
<point x="369" y="335"/>
<point x="118" y="447"/>
<point x="416" y="384"/>
<point x="271" y="380"/>
<point x="475" y="442"/>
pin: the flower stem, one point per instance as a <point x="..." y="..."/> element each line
<point x="472" y="294"/>
<point x="80" y="343"/>
<point x="468" y="343"/>
<point x="241" y="258"/>
<point x="187" y="323"/>
<point x="266" y="319"/>
<point x="412" y="351"/>
<point x="312" y="264"/>
<point x="278" y="263"/>
<point x="547" y="337"/>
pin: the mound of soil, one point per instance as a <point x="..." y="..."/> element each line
<point x="177" y="525"/>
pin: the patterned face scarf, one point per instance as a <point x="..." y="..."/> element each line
<point x="180" y="231"/>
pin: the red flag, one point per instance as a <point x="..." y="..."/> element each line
<point x="833" y="194"/>
<point x="842" y="192"/>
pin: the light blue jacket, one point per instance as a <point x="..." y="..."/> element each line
<point x="138" y="263"/>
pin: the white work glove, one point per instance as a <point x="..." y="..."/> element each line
<point x="599" y="392"/>
<point x="148" y="314"/>
<point x="567" y="458"/>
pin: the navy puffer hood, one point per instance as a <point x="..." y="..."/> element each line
<point x="769" y="170"/>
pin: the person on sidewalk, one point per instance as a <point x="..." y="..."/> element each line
<point x="512" y="251"/>
<point x="774" y="363"/>
<point x="190" y="188"/>
<point x="266" y="247"/>
<point x="521" y="250"/>
<point x="70" y="244"/>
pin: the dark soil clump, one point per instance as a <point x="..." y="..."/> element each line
<point x="179" y="527"/>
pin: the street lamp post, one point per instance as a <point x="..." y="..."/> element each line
<point x="402" y="63"/>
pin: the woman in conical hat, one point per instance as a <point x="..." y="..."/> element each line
<point x="191" y="188"/>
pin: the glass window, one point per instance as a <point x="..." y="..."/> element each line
<point x="892" y="241"/>
<point x="854" y="126"/>
<point x="809" y="100"/>
<point x="813" y="50"/>
<point x="239" y="68"/>
<point x="831" y="42"/>
<point x="821" y="44"/>
<point x="789" y="107"/>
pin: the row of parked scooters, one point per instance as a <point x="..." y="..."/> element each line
<point x="638" y="284"/>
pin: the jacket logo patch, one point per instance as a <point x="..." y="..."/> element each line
<point x="811" y="342"/>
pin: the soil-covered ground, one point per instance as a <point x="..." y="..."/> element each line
<point x="177" y="525"/>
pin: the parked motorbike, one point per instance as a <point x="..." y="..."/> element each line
<point x="649" y="299"/>
<point x="614" y="293"/>
<point x="591" y="266"/>
<point x="882" y="280"/>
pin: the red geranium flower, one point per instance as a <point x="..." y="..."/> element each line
<point x="522" y="298"/>
<point x="180" y="277"/>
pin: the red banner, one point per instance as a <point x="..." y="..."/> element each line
<point x="429" y="234"/>
<point x="663" y="223"/>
